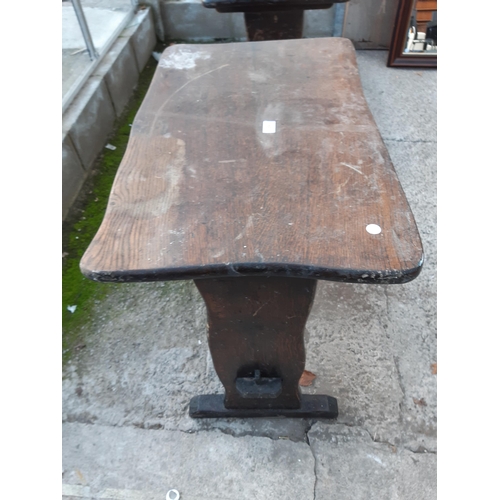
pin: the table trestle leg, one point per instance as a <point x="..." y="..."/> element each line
<point x="256" y="338"/>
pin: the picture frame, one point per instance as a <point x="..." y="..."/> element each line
<point x="399" y="56"/>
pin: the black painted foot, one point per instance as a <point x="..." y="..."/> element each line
<point x="312" y="406"/>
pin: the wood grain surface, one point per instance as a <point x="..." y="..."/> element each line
<point x="203" y="192"/>
<point x="257" y="323"/>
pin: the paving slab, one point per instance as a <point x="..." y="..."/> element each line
<point x="412" y="312"/>
<point x="145" y="356"/>
<point x="402" y="101"/>
<point x="350" y="466"/>
<point x="349" y="351"/>
<point x="126" y="463"/>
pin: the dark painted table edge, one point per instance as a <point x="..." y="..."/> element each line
<point x="257" y="269"/>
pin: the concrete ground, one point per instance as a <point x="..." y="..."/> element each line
<point x="103" y="18"/>
<point x="126" y="429"/>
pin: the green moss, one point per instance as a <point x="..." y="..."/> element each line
<point x="84" y="221"/>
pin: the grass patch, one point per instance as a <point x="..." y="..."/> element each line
<point x="84" y="220"/>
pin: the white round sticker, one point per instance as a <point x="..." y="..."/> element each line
<point x="373" y="229"/>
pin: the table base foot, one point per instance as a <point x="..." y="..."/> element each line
<point x="312" y="406"/>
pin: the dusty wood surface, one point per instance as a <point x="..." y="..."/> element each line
<point x="203" y="192"/>
<point x="277" y="25"/>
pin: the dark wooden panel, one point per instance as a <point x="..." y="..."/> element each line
<point x="312" y="406"/>
<point x="258" y="324"/>
<point x="278" y="25"/>
<point x="267" y="5"/>
<point x="203" y="192"/>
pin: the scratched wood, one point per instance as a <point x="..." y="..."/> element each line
<point x="203" y="192"/>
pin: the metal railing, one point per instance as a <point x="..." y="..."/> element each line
<point x="94" y="55"/>
<point x="82" y="21"/>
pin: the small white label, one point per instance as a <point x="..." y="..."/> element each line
<point x="268" y="127"/>
<point x="373" y="229"/>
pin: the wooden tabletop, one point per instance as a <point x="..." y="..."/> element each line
<point x="203" y="191"/>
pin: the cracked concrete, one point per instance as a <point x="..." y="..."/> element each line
<point x="199" y="465"/>
<point x="351" y="465"/>
<point x="126" y="429"/>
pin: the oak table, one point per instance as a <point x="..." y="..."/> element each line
<point x="256" y="169"/>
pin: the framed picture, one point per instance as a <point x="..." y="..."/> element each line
<point x="414" y="38"/>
